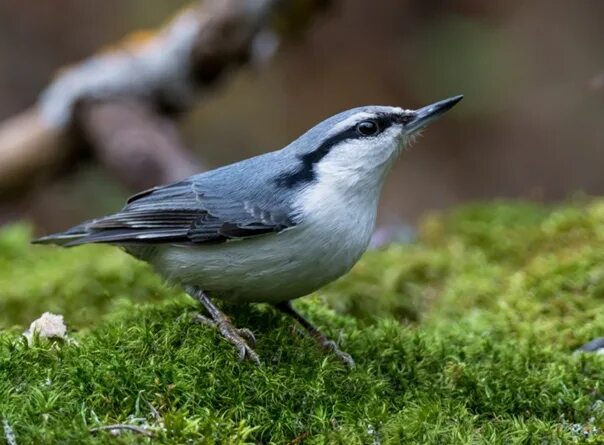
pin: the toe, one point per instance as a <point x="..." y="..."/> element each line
<point x="242" y="352"/>
<point x="332" y="346"/>
<point x="246" y="352"/>
<point x="253" y="356"/>
<point x="346" y="358"/>
<point x="248" y="336"/>
<point x="202" y="319"/>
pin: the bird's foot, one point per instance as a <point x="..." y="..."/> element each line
<point x="322" y="340"/>
<point x="332" y="346"/>
<point x="242" y="338"/>
<point x="245" y="333"/>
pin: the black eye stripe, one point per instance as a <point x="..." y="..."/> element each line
<point x="305" y="172"/>
<point x="384" y="121"/>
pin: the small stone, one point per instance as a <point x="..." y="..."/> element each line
<point x="47" y="326"/>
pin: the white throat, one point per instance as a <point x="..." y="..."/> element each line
<point x="339" y="210"/>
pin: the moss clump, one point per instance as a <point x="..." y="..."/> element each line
<point x="464" y="336"/>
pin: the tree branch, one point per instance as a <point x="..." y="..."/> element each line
<point x="31" y="150"/>
<point x="123" y="102"/>
<point x="141" y="147"/>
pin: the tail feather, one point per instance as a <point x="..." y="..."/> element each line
<point x="63" y="238"/>
<point x="59" y="239"/>
<point x="82" y="235"/>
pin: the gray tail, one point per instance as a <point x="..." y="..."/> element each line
<point x="63" y="238"/>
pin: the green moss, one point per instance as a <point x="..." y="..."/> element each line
<point x="465" y="336"/>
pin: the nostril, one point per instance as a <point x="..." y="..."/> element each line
<point x="408" y="118"/>
<point x="404" y="118"/>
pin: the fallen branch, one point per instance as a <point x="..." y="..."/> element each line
<point x="141" y="147"/>
<point x="31" y="150"/>
<point x="123" y="101"/>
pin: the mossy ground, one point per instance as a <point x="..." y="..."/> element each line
<point x="464" y="336"/>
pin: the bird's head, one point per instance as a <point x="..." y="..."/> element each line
<point x="361" y="143"/>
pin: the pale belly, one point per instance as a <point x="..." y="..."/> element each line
<point x="270" y="268"/>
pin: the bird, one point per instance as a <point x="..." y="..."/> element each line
<point x="271" y="228"/>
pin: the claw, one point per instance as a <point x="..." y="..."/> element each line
<point x="233" y="335"/>
<point x="246" y="351"/>
<point x="237" y="337"/>
<point x="319" y="337"/>
<point x="345" y="357"/>
<point x="243" y="339"/>
<point x="248" y="335"/>
<point x="330" y="345"/>
<point x="241" y="353"/>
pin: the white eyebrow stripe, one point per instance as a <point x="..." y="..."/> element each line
<point x="362" y="115"/>
<point x="349" y="122"/>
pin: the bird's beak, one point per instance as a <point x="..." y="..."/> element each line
<point x="425" y="115"/>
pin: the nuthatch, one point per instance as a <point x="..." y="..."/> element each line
<point x="271" y="228"/>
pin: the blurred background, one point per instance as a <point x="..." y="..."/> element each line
<point x="532" y="72"/>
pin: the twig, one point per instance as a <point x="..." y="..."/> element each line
<point x="298" y="439"/>
<point x="154" y="412"/>
<point x="120" y="426"/>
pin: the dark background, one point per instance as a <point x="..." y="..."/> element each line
<point x="531" y="124"/>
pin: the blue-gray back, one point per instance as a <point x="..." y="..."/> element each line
<point x="248" y="198"/>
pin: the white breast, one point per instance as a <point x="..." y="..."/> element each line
<point x="336" y="230"/>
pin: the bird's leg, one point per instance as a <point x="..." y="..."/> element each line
<point x="325" y="343"/>
<point x="242" y="339"/>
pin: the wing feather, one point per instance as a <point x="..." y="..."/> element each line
<point x="181" y="213"/>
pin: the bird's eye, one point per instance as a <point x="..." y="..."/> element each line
<point x="367" y="128"/>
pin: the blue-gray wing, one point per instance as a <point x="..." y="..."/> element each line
<point x="188" y="212"/>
